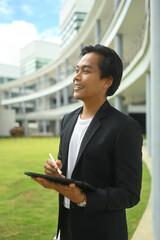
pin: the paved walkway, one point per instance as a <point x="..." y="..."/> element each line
<point x="144" y="229"/>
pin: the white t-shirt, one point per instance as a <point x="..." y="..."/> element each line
<point x="74" y="146"/>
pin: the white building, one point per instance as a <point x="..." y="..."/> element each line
<point x="72" y="15"/>
<point x="45" y="96"/>
<point x="36" y="55"/>
<point x="8" y="73"/>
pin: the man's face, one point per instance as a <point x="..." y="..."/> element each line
<point x="88" y="86"/>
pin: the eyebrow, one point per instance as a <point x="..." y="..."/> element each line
<point x="85" y="66"/>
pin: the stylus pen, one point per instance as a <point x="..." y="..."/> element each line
<point x="58" y="170"/>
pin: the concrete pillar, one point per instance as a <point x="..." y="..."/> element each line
<point x="44" y="102"/>
<point x="116" y="3"/>
<point x="57" y="128"/>
<point x="23" y="104"/>
<point x="148" y="113"/>
<point x="44" y="126"/>
<point x="65" y="96"/>
<point x="22" y="89"/>
<point x="0" y="98"/>
<point x="58" y="93"/>
<point x="23" y="107"/>
<point x="58" y="99"/>
<point x="118" y="104"/>
<point x="9" y="93"/>
<point x="58" y="103"/>
<point x="58" y="73"/>
<point x="119" y="45"/>
<point x="147" y="5"/>
<point x="45" y="80"/>
<point x="155" y="115"/>
<point x="66" y="70"/>
<point x="37" y="105"/>
<point x="37" y="85"/>
<point x="9" y="96"/>
<point x="97" y="33"/>
<point x="25" y="127"/>
<point x="65" y="90"/>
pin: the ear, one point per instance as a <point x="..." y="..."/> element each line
<point x="108" y="82"/>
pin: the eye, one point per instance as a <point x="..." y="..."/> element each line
<point x="76" y="70"/>
<point x="85" y="71"/>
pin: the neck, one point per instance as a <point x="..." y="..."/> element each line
<point x="90" y="109"/>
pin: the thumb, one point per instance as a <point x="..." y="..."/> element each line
<point x="72" y="185"/>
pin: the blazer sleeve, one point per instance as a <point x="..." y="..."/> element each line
<point x="127" y="159"/>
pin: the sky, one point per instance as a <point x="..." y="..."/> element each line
<point x="22" y="22"/>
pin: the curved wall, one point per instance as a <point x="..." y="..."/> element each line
<point x="46" y="95"/>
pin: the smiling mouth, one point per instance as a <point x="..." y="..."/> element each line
<point x="78" y="86"/>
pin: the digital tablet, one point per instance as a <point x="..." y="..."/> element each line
<point x="66" y="181"/>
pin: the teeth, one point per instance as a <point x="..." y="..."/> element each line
<point x="78" y="86"/>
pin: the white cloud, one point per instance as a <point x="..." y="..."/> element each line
<point x="62" y="1"/>
<point x="27" y="9"/>
<point x="51" y="35"/>
<point x="4" y="8"/>
<point x="15" y="36"/>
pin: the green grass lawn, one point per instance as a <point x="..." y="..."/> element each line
<point x="134" y="214"/>
<point x="28" y="211"/>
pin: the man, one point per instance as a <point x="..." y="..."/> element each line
<point x="101" y="146"/>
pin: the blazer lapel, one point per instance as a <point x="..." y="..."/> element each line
<point x="68" y="132"/>
<point x="93" y="128"/>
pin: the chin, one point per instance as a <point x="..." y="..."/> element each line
<point x="77" y="97"/>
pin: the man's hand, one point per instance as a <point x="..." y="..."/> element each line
<point x="70" y="191"/>
<point x="50" y="167"/>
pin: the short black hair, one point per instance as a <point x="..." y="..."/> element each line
<point x="111" y="65"/>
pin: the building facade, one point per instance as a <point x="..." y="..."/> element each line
<point x="36" y="55"/>
<point x="8" y="73"/>
<point x="44" y="96"/>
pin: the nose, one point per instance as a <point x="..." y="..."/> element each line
<point x="77" y="76"/>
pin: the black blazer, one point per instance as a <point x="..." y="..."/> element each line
<point x="110" y="159"/>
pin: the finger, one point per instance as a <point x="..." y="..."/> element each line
<point x="52" y="172"/>
<point x="36" y="179"/>
<point x="50" y="163"/>
<point x="45" y="183"/>
<point x="32" y="178"/>
<point x="59" y="163"/>
<point x="72" y="185"/>
<point x="48" y="172"/>
<point x="50" y="168"/>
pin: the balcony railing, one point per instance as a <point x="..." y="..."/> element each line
<point x="135" y="45"/>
